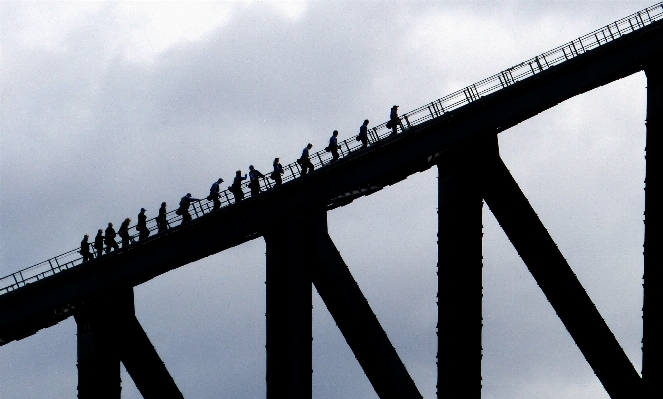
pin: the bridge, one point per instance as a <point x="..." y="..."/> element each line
<point x="458" y="134"/>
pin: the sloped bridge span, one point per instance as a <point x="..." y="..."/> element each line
<point x="458" y="134"/>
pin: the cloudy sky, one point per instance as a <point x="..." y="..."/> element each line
<point x="110" y="107"/>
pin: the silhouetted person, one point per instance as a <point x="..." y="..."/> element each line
<point x="394" y="120"/>
<point x="305" y="161"/>
<point x="215" y="194"/>
<point x="110" y="238"/>
<point x="278" y="171"/>
<point x="236" y="187"/>
<point x="254" y="180"/>
<point x="85" y="249"/>
<point x="99" y="242"/>
<point x="124" y="232"/>
<point x="141" y="226"/>
<point x="363" y="134"/>
<point x="183" y="210"/>
<point x="162" y="218"/>
<point x="333" y="145"/>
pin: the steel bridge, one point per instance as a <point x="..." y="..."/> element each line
<point x="457" y="133"/>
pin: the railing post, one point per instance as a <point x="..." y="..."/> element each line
<point x="652" y="312"/>
<point x="459" y="278"/>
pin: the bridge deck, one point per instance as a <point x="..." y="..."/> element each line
<point x="488" y="107"/>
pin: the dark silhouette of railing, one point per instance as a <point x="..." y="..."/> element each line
<point x="376" y="134"/>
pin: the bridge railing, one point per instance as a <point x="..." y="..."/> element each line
<point x="380" y="132"/>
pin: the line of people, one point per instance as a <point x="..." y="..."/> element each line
<point x="104" y="241"/>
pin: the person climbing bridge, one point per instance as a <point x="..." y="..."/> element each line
<point x="162" y="218"/>
<point x="99" y="242"/>
<point x="236" y="187"/>
<point x="394" y="120"/>
<point x="278" y="171"/>
<point x="110" y="238"/>
<point x="363" y="134"/>
<point x="333" y="146"/>
<point x="183" y="210"/>
<point x="215" y="194"/>
<point x="124" y="232"/>
<point x="85" y="249"/>
<point x="305" y="161"/>
<point x="254" y="180"/>
<point x="141" y="226"/>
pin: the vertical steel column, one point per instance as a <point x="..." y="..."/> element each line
<point x="652" y="311"/>
<point x="289" y="316"/>
<point x="98" y="358"/>
<point x="460" y="263"/>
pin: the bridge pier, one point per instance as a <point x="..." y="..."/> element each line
<point x="289" y="312"/>
<point x="460" y="321"/>
<point x="652" y="311"/>
<point x="98" y="357"/>
<point x="109" y="332"/>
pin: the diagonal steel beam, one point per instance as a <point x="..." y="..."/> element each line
<point x="355" y="319"/>
<point x="556" y="279"/>
<point x="141" y="359"/>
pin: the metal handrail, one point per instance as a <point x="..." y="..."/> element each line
<point x="410" y="119"/>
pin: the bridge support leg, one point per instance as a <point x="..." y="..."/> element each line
<point x="141" y="359"/>
<point x="652" y="311"/>
<point x="289" y="315"/>
<point x="354" y="317"/>
<point x="108" y="332"/>
<point x="459" y="272"/>
<point x="98" y="358"/>
<point x="556" y="279"/>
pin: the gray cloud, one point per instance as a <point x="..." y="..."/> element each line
<point x="89" y="135"/>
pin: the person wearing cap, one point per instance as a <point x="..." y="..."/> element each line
<point x="304" y="161"/>
<point x="99" y="242"/>
<point x="85" y="249"/>
<point x="110" y="238"/>
<point x="141" y="226"/>
<point x="183" y="210"/>
<point x="363" y="134"/>
<point x="214" y="194"/>
<point x="394" y="120"/>
<point x="236" y="187"/>
<point x="333" y="145"/>
<point x="162" y="218"/>
<point x="254" y="180"/>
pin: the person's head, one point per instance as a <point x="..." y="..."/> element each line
<point x="86" y="236"/>
<point x="276" y="160"/>
<point x="163" y="204"/>
<point x="142" y="210"/>
<point x="127" y="220"/>
<point x="335" y="133"/>
<point x="366" y="122"/>
<point x="309" y="146"/>
<point x="394" y="107"/>
<point x="238" y="173"/>
<point x="220" y="180"/>
<point x="110" y="224"/>
<point x="188" y="194"/>
<point x="100" y="231"/>
<point x="250" y="167"/>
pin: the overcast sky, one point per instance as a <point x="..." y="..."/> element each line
<point x="110" y="107"/>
